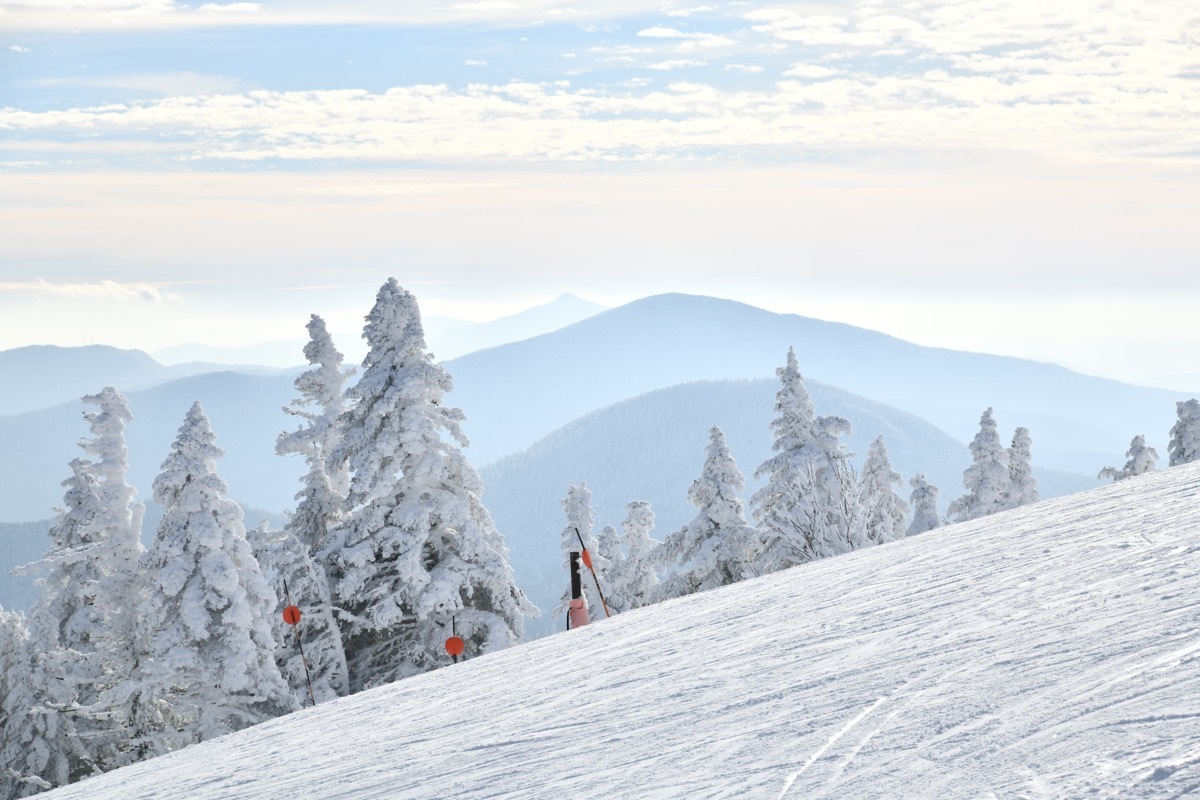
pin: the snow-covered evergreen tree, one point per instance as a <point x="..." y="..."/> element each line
<point x="320" y="404"/>
<point x="986" y="480"/>
<point x="31" y="755"/>
<point x="718" y="547"/>
<point x="42" y="746"/>
<point x="580" y="519"/>
<point x="419" y="554"/>
<point x="809" y="506"/>
<point x="211" y="650"/>
<point x="1142" y="459"/>
<point x="924" y="500"/>
<point x="62" y="624"/>
<point x="1022" y="486"/>
<point x="120" y="585"/>
<point x="640" y="578"/>
<point x="608" y="547"/>
<point x="298" y="579"/>
<point x="885" y="510"/>
<point x="1185" y="434"/>
<point x="291" y="555"/>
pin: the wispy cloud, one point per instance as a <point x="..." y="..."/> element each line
<point x="100" y="290"/>
<point x="675" y="63"/>
<point x="230" y="8"/>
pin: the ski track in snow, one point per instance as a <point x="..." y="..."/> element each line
<point x="1052" y="651"/>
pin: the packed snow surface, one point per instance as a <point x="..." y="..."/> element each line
<point x="1050" y="651"/>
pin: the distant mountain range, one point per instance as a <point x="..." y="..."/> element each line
<point x="517" y="393"/>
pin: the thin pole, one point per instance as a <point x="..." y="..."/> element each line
<point x="299" y="646"/>
<point x="587" y="560"/>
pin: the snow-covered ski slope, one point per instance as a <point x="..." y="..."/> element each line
<point x="1052" y="651"/>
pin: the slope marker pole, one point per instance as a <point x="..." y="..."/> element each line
<point x="587" y="560"/>
<point x="292" y="619"/>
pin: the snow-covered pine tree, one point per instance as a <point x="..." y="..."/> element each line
<point x="640" y="578"/>
<point x="211" y="651"/>
<point x="608" y="548"/>
<point x="718" y="547"/>
<point x="580" y="519"/>
<point x="291" y="555"/>
<point x="28" y="750"/>
<point x="319" y="405"/>
<point x="986" y="480"/>
<point x="809" y="506"/>
<point x="924" y="500"/>
<point x="1185" y="434"/>
<point x="120" y="585"/>
<point x="298" y="579"/>
<point x="61" y="625"/>
<point x="419" y="554"/>
<point x="884" y="508"/>
<point x="1142" y="459"/>
<point x="42" y="748"/>
<point x="1022" y="486"/>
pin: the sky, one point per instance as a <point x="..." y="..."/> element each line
<point x="993" y="175"/>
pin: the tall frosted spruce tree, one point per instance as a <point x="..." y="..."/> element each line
<point x="211" y="666"/>
<point x="418" y="555"/>
<point x="809" y="507"/>
<point x="987" y="479"/>
<point x="719" y="546"/>
<point x="291" y="555"/>
<point x="885" y="510"/>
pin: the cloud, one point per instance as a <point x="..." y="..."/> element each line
<point x="475" y="62"/>
<point x="691" y="40"/>
<point x="485" y="5"/>
<point x="746" y="68"/>
<point x="16" y="48"/>
<point x="810" y="71"/>
<point x="230" y="8"/>
<point x="101" y="290"/>
<point x="687" y="12"/>
<point x="679" y="63"/>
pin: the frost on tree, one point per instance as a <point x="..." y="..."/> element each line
<point x="640" y="577"/>
<point x="119" y="589"/>
<point x="419" y="554"/>
<point x="987" y="479"/>
<point x="1022" y="487"/>
<point x="924" y="500"/>
<point x="33" y="753"/>
<point x="631" y="570"/>
<point x="719" y="546"/>
<point x="319" y="405"/>
<point x="291" y="555"/>
<point x="580" y="519"/>
<point x="1185" y="434"/>
<point x="312" y="649"/>
<point x="884" y="508"/>
<point x="809" y="506"/>
<point x="1142" y="459"/>
<point x="211" y="653"/>
<point x="608" y="548"/>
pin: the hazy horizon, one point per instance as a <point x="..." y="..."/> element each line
<point x="989" y="177"/>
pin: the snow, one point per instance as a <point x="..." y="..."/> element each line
<point x="1048" y="651"/>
